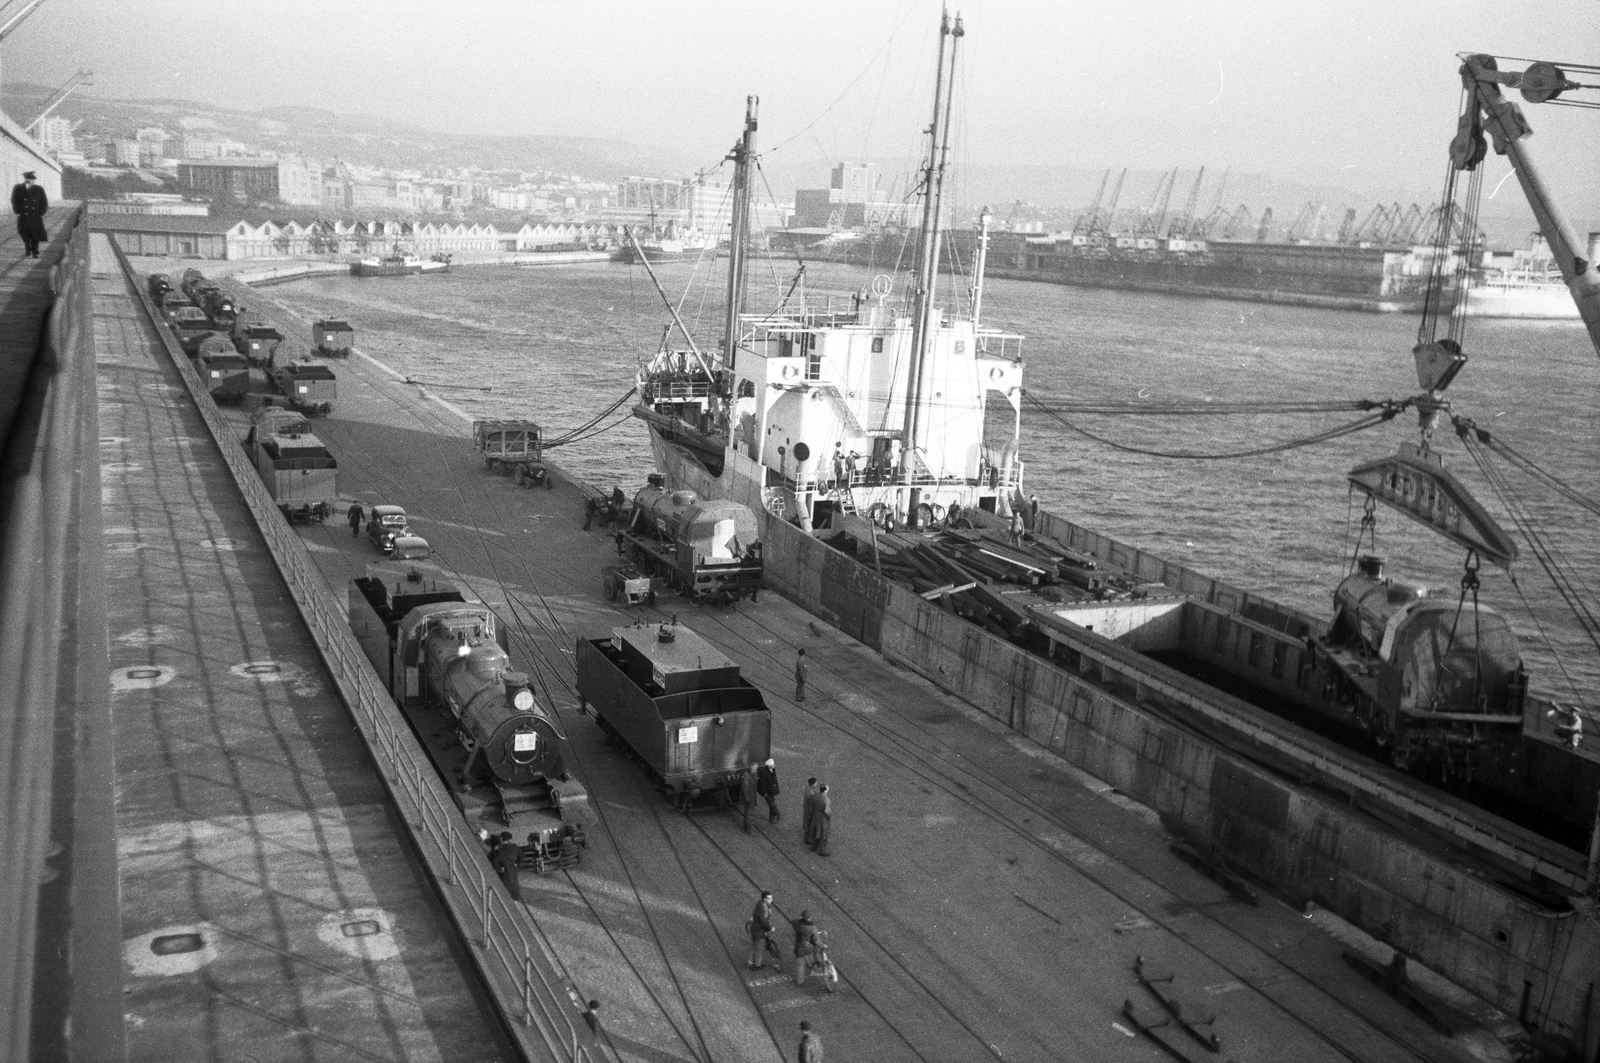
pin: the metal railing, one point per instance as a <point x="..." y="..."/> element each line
<point x="516" y="960"/>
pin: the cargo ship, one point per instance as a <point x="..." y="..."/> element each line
<point x="861" y="430"/>
<point x="668" y="246"/>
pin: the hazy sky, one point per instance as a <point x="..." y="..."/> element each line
<point x="1360" y="93"/>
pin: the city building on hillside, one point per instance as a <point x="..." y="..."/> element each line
<point x="55" y="134"/>
<point x="152" y="145"/>
<point x="124" y="152"/>
<point x="292" y="180"/>
<point x="852" y="200"/>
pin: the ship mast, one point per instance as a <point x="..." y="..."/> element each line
<point x="743" y="152"/>
<point x="928" y="240"/>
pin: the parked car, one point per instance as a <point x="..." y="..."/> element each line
<point x="385" y="525"/>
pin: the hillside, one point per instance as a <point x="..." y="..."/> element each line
<point x="359" y="139"/>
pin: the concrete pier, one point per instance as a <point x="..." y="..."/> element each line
<point x="271" y="905"/>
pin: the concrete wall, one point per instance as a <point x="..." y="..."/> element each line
<point x="1510" y="950"/>
<point x="19" y="152"/>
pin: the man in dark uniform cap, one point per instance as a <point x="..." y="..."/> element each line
<point x="28" y="203"/>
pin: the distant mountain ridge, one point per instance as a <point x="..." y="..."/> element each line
<point x="362" y="139"/>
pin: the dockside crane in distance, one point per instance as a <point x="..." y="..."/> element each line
<point x="1150" y="224"/>
<point x="1488" y="111"/>
<point x="1184" y="223"/>
<point x="1201" y="229"/>
<point x="82" y="77"/>
<point x="1086" y="221"/>
<point x="1347" y="228"/>
<point x="1102" y="223"/>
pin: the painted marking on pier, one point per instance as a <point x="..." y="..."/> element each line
<point x="181" y="949"/>
<point x="298" y="679"/>
<point x="111" y="441"/>
<point x="798" y="1002"/>
<point x="365" y="933"/>
<point x="141" y="677"/>
<point x="452" y="524"/>
<point x="1224" y="987"/>
<point x="117" y="468"/>
<point x="1128" y="926"/>
<point x="220" y="544"/>
<point x="858" y="702"/>
<point x="124" y="548"/>
<point x="148" y="636"/>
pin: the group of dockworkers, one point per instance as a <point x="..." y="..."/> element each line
<point x="810" y="945"/>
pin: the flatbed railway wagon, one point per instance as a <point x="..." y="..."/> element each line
<point x="515" y="447"/>
<point x="441" y="656"/>
<point x="332" y="339"/>
<point x="307" y="386"/>
<point x="680" y="706"/>
<point x="300" y="474"/>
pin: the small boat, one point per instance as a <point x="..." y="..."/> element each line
<point x="397" y="265"/>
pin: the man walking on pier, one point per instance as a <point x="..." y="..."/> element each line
<point x="821" y="821"/>
<point x="800" y="677"/>
<point x="760" y="928"/>
<point x="808" y="809"/>
<point x="747" y="796"/>
<point x="355" y="519"/>
<point x="767" y="787"/>
<point x="810" y="1044"/>
<point x="29" y="203"/>
<point x="507" y="861"/>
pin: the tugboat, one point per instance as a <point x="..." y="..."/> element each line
<point x="395" y="265"/>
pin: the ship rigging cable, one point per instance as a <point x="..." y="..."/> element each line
<point x="1191" y="409"/>
<point x="1544" y="551"/>
<point x="1387" y="412"/>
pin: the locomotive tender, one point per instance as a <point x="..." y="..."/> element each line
<point x="1427" y="677"/>
<point x="441" y="657"/>
<point x="679" y="705"/>
<point x="300" y="474"/>
<point x="706" y="548"/>
<point x="306" y="386"/>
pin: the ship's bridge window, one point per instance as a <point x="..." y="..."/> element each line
<point x="813" y="358"/>
<point x="877" y="345"/>
<point x="786" y="347"/>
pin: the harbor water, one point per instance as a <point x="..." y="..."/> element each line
<point x="560" y="344"/>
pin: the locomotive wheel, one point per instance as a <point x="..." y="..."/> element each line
<point x="609" y="585"/>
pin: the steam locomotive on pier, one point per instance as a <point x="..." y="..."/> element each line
<point x="443" y="658"/>
<point x="708" y="549"/>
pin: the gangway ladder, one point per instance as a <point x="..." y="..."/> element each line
<point x="845" y="495"/>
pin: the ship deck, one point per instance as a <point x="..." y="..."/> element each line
<point x="984" y="899"/>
